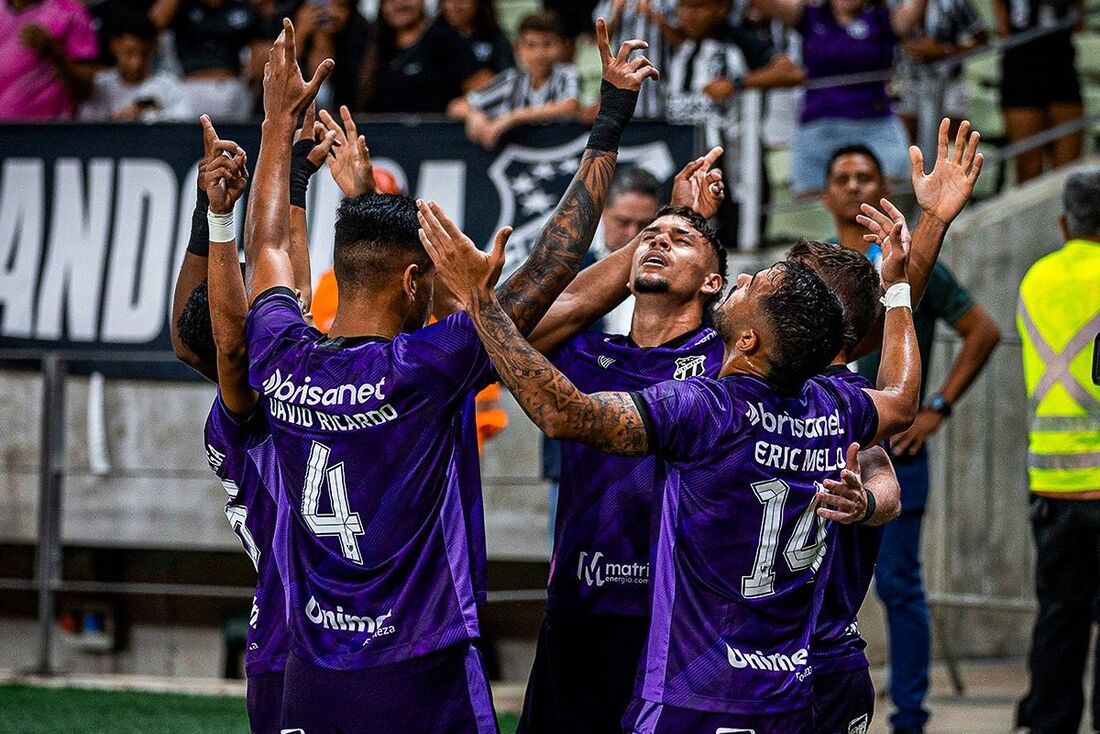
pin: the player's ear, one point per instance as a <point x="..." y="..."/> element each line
<point x="409" y="280"/>
<point x="748" y="341"/>
<point x="712" y="284"/>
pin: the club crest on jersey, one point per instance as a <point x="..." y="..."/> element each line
<point x="531" y="181"/>
<point x="693" y="366"/>
<point x="858" y="726"/>
<point x="605" y="361"/>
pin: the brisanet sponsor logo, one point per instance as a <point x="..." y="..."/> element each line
<point x="772" y="662"/>
<point x="285" y="389"/>
<point x="593" y="570"/>
<point x="782" y="424"/>
<point x="341" y="620"/>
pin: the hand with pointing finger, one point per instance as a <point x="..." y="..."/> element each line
<point x="286" y="93"/>
<point x="223" y="171"/>
<point x="699" y="185"/>
<point x="891" y="231"/>
<point x="620" y="70"/>
<point x="350" y="163"/>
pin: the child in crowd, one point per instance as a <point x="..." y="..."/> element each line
<point x="130" y="91"/>
<point x="540" y="90"/>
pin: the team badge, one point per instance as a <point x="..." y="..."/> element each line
<point x="531" y="181"/>
<point x="858" y="726"/>
<point x="693" y="366"/>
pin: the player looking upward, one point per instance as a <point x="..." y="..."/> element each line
<point x="366" y="425"/>
<point x="741" y="456"/>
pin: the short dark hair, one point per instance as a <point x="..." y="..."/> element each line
<point x="807" y="324"/>
<point x="852" y="277"/>
<point x="193" y="326"/>
<point x="700" y="225"/>
<point x="1081" y="203"/>
<point x="634" y="180"/>
<point x="377" y="236"/>
<point x="853" y="149"/>
<point x="544" y="21"/>
<point x="132" y="24"/>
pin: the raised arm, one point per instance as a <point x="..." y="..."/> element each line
<point x="941" y="195"/>
<point x="312" y="144"/>
<point x="560" y="248"/>
<point x="898" y="392"/>
<point x="609" y="421"/>
<point x="601" y="287"/>
<point x="225" y="176"/>
<point x="192" y="272"/>
<point x="286" y="97"/>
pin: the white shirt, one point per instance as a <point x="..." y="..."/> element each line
<point x="111" y="94"/>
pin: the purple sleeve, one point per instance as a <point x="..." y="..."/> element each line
<point x="227" y="439"/>
<point x="683" y="417"/>
<point x="274" y="321"/>
<point x="451" y="351"/>
<point x="861" y="409"/>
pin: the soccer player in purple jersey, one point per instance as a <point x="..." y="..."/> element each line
<point x="731" y="622"/>
<point x="366" y="428"/>
<point x="210" y="334"/>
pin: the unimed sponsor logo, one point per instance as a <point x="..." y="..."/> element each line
<point x="773" y="662"/>
<point x="344" y="621"/>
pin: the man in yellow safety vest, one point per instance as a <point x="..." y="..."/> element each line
<point x="1058" y="317"/>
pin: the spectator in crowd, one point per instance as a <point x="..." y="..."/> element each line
<point x="714" y="63"/>
<point x="47" y="47"/>
<point x="950" y="27"/>
<point x="333" y="29"/>
<point x="476" y="21"/>
<point x="1058" y="317"/>
<point x="541" y="89"/>
<point x="652" y="22"/>
<point x="130" y="91"/>
<point x="1040" y="88"/>
<point x="414" y="65"/>
<point x="632" y="203"/>
<point x="841" y="37"/>
<point x="210" y="36"/>
<point x="855" y="176"/>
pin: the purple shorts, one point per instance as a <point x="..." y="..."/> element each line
<point x="445" y="692"/>
<point x="844" y="703"/>
<point x="645" y="717"/>
<point x="264" y="699"/>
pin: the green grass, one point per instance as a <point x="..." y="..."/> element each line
<point x="27" y="710"/>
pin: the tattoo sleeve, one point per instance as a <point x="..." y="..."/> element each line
<point x="609" y="421"/>
<point x="560" y="247"/>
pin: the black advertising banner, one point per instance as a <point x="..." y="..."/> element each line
<point x="94" y="219"/>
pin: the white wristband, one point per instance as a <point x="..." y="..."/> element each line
<point x="221" y="227"/>
<point x="896" y="295"/>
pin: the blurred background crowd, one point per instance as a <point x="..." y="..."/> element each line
<point x="837" y="72"/>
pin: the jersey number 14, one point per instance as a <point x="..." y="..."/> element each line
<point x="800" y="552"/>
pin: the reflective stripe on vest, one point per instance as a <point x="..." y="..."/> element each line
<point x="1058" y="364"/>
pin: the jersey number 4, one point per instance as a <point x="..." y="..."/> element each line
<point x="341" y="522"/>
<point x="800" y="552"/>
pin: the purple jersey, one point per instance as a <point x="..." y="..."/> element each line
<point x="837" y="646"/>
<point x="468" y="463"/>
<point x="738" y="539"/>
<point x="369" y="438"/>
<point x="600" y="562"/>
<point x="251" y="511"/>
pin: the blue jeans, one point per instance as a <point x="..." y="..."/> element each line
<point x="815" y="142"/>
<point x="901" y="589"/>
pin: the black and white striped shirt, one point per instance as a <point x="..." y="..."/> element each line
<point x="730" y="54"/>
<point x="511" y="90"/>
<point x="636" y="25"/>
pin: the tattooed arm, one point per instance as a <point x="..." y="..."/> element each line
<point x="609" y="421"/>
<point x="560" y="248"/>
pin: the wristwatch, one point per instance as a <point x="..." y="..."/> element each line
<point x="940" y="404"/>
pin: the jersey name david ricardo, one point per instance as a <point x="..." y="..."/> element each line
<point x="738" y="538"/>
<point x="601" y="562"/>
<point x="837" y="646"/>
<point x="368" y="435"/>
<point x="252" y="513"/>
